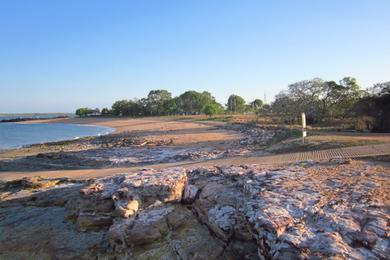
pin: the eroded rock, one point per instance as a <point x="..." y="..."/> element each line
<point x="321" y="210"/>
<point x="190" y="193"/>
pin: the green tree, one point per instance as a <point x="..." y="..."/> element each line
<point x="171" y="107"/>
<point x="305" y="96"/>
<point x="193" y="102"/>
<point x="285" y="107"/>
<point x="106" y="112"/>
<point x="235" y="104"/>
<point x="155" y="101"/>
<point x="212" y="109"/>
<point x="256" y="104"/>
<point x="83" y="111"/>
<point x="119" y="108"/>
<point x="377" y="106"/>
<point x="127" y="108"/>
<point x="320" y="100"/>
<point x="350" y="93"/>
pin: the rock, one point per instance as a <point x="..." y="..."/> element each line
<point x="91" y="189"/>
<point x="33" y="183"/>
<point x="340" y="161"/>
<point x="149" y="226"/>
<point x="190" y="193"/>
<point x="258" y="135"/>
<point x="313" y="211"/>
<point x="166" y="185"/>
<point x="93" y="222"/>
<point x="123" y="196"/>
<point x="30" y="232"/>
<point x="126" y="203"/>
<point x="165" y="232"/>
<point x="222" y="216"/>
<point x="127" y="139"/>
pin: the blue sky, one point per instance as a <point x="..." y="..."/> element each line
<point x="56" y="56"/>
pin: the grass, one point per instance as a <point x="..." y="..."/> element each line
<point x="319" y="142"/>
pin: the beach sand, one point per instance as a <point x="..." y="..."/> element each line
<point x="184" y="134"/>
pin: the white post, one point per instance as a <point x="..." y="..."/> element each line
<point x="303" y="127"/>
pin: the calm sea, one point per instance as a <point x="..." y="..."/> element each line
<point x="33" y="115"/>
<point x="14" y="135"/>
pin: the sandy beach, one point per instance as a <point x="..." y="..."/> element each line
<point x="183" y="135"/>
<point x="165" y="187"/>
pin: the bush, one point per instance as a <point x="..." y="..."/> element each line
<point x="212" y="109"/>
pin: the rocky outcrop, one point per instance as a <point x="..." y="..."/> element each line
<point x="124" y="195"/>
<point x="208" y="154"/>
<point x="127" y="139"/>
<point x="259" y="135"/>
<point x="319" y="210"/>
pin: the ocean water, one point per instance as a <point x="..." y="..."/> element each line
<point x="33" y="115"/>
<point x="14" y="135"/>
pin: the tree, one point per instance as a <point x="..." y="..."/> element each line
<point x="377" y="106"/>
<point x="350" y="93"/>
<point x="84" y="111"/>
<point x="285" y="107"/>
<point x="235" y="104"/>
<point x="127" y="108"/>
<point x="320" y="100"/>
<point x="106" y="112"/>
<point x="171" y="106"/>
<point x="193" y="102"/>
<point x="256" y="104"/>
<point x="189" y="102"/>
<point x="380" y="88"/>
<point x="118" y="108"/>
<point x="156" y="100"/>
<point x="306" y="97"/>
<point x="212" y="109"/>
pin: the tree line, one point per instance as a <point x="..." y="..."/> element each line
<point x="160" y="102"/>
<point x="326" y="101"/>
<point x="322" y="101"/>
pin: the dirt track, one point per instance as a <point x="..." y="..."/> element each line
<point x="266" y="161"/>
<point x="319" y="155"/>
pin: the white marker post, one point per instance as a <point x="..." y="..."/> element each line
<point x="303" y="127"/>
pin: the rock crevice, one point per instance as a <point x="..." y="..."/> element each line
<point x="324" y="210"/>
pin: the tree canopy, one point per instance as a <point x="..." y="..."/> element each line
<point x="85" y="111"/>
<point x="212" y="109"/>
<point x="160" y="102"/>
<point x="320" y="100"/>
<point x="193" y="102"/>
<point x="376" y="105"/>
<point x="155" y="101"/>
<point x="235" y="104"/>
<point x="256" y="104"/>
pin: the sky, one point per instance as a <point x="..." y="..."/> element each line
<point x="56" y="56"/>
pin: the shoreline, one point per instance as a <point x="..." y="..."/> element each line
<point x="25" y="119"/>
<point x="155" y="138"/>
<point x="165" y="137"/>
<point x="103" y="130"/>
